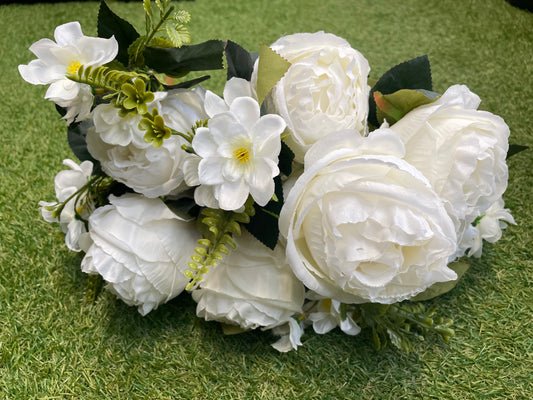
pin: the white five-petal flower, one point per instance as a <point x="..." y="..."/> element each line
<point x="238" y="156"/>
<point x="67" y="54"/>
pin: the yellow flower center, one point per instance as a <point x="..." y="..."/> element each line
<point x="73" y="67"/>
<point x="242" y="154"/>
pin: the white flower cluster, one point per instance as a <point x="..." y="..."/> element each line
<point x="370" y="217"/>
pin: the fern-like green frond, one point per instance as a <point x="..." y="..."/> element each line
<point x="103" y="77"/>
<point x="217" y="228"/>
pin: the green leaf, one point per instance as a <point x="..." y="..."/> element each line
<point x="160" y="42"/>
<point x="393" y="107"/>
<point x="147" y="4"/>
<point x="175" y="61"/>
<point x="184" y="207"/>
<point x="76" y="134"/>
<point x="264" y="224"/>
<point x="286" y="156"/>
<point x="411" y="74"/>
<point x="515" y="149"/>
<point x="110" y="24"/>
<point x="270" y="70"/>
<point x="240" y="64"/>
<point x="460" y="267"/>
<point x="188" y="84"/>
<point x="178" y="35"/>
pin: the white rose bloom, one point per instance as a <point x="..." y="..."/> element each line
<point x="116" y="130"/>
<point x="67" y="54"/>
<point x="141" y="249"/>
<point x="119" y="145"/>
<point x="325" y="89"/>
<point x="251" y="287"/>
<point x="363" y="225"/>
<point x="238" y="156"/>
<point x="460" y="150"/>
<point x="67" y="183"/>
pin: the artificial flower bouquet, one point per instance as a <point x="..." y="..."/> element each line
<point x="306" y="195"/>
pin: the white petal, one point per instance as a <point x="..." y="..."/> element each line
<point x="210" y="171"/>
<point x="214" y="104"/>
<point x="232" y="195"/>
<point x="97" y="51"/>
<point x="203" y="143"/>
<point x="68" y="34"/>
<point x="238" y="87"/>
<point x="246" y="110"/>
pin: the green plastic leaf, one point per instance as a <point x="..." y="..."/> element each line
<point x="178" y="35"/>
<point x="393" y="107"/>
<point x="411" y="74"/>
<point x="184" y="207"/>
<point x="264" y="224"/>
<point x="286" y="156"/>
<point x="160" y="42"/>
<point x="76" y="134"/>
<point x="240" y="64"/>
<point x="147" y="4"/>
<point x="460" y="267"/>
<point x="176" y="61"/>
<point x="270" y="70"/>
<point x="110" y="24"/>
<point x="515" y="149"/>
<point x="188" y="84"/>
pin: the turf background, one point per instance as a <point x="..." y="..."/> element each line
<point x="55" y="346"/>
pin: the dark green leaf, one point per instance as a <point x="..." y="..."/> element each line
<point x="110" y="24"/>
<point x="515" y="149"/>
<point x="264" y="224"/>
<point x="460" y="267"/>
<point x="179" y="60"/>
<point x="188" y="84"/>
<point x="240" y="64"/>
<point x="412" y="74"/>
<point x="76" y="135"/>
<point x="286" y="156"/>
<point x="185" y="207"/>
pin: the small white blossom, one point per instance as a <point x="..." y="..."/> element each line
<point x="67" y="183"/>
<point x="238" y="156"/>
<point x="67" y="54"/>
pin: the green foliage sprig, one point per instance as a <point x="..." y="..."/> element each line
<point x="169" y="23"/>
<point x="217" y="228"/>
<point x="400" y="323"/>
<point x="94" y="194"/>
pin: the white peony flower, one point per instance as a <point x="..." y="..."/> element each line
<point x="141" y="249"/>
<point x="67" y="183"/>
<point x="119" y="144"/>
<point x="461" y="151"/>
<point x="238" y="156"/>
<point x="327" y="316"/>
<point x="67" y="54"/>
<point x="325" y="89"/>
<point x="251" y="287"/>
<point x="363" y="225"/>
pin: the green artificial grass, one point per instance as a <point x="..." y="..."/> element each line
<point x="53" y="345"/>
